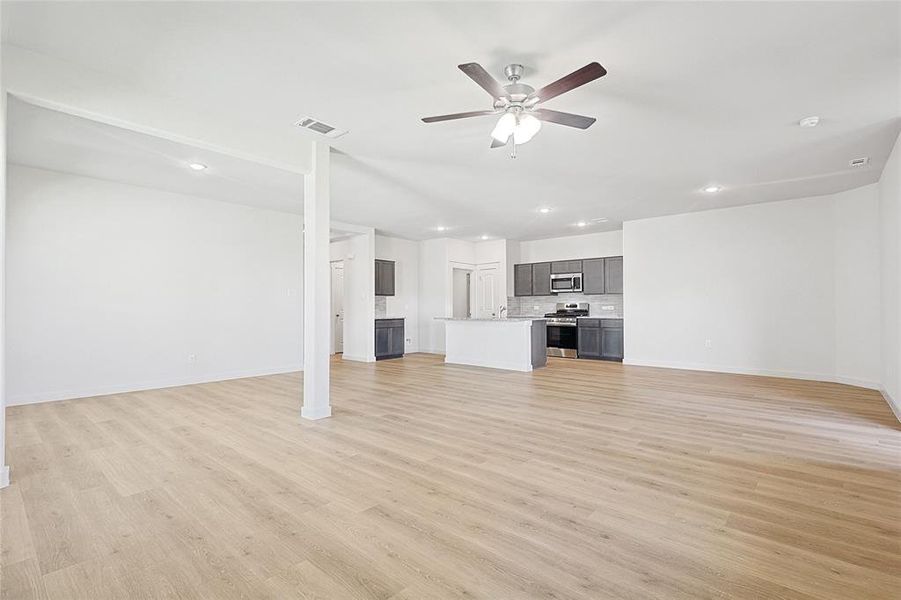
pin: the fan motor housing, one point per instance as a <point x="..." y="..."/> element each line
<point x="518" y="91"/>
<point x="513" y="72"/>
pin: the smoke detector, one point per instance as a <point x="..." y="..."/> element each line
<point x="859" y="162"/>
<point x="809" y="121"/>
<point x="320" y="127"/>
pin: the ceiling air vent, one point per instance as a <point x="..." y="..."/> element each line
<point x="320" y="127"/>
<point x="859" y="162"/>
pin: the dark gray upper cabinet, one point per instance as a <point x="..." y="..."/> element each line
<point x="599" y="276"/>
<point x="566" y="266"/>
<point x="522" y="280"/>
<point x="613" y="275"/>
<point x="541" y="279"/>
<point x="384" y="277"/>
<point x="593" y="276"/>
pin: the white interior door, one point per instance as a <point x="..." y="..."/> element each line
<point x="337" y="304"/>
<point x="487" y="292"/>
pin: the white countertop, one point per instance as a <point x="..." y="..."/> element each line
<point x="615" y="317"/>
<point x="491" y="319"/>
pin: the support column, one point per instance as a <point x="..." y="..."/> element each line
<point x="4" y="469"/>
<point x="316" y="282"/>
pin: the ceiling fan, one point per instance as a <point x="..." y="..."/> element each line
<point x="517" y="103"/>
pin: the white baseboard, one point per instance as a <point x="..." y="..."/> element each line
<point x="357" y="358"/>
<point x="870" y="385"/>
<point x="437" y="351"/>
<point x="505" y="365"/>
<point x="123" y="388"/>
<point x="830" y="378"/>
<point x="4" y="476"/>
<point x="315" y="415"/>
<point x="892" y="403"/>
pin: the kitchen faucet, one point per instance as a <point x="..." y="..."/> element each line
<point x="501" y="310"/>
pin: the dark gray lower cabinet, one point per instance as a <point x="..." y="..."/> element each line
<point x="389" y="338"/>
<point x="612" y="343"/>
<point x="600" y="339"/>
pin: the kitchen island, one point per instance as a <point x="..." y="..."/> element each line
<point x="514" y="343"/>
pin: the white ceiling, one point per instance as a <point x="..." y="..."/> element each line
<point x="696" y="93"/>
<point x="40" y="137"/>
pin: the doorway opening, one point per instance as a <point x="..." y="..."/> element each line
<point x="337" y="306"/>
<point x="462" y="293"/>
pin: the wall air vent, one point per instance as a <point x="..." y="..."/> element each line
<point x="859" y="162"/>
<point x="320" y="127"/>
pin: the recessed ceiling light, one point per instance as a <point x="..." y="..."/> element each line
<point x="809" y="122"/>
<point x="712" y="189"/>
<point x="544" y="211"/>
<point x="484" y="237"/>
<point x="581" y="224"/>
<point x="197" y="166"/>
<point x="441" y="228"/>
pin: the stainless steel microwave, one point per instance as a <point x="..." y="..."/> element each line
<point x="566" y="282"/>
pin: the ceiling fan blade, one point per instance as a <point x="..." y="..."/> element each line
<point x="462" y="115"/>
<point x="497" y="144"/>
<point x="485" y="81"/>
<point x="589" y="72"/>
<point x="564" y="118"/>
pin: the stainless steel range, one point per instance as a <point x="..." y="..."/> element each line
<point x="562" y="333"/>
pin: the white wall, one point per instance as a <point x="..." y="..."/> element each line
<point x="857" y="286"/>
<point x="437" y="259"/>
<point x="590" y="245"/>
<point x="433" y="292"/>
<point x="890" y="251"/>
<point x="513" y="257"/>
<point x="358" y="254"/>
<point x="405" y="301"/>
<point x="112" y="287"/>
<point x="760" y="282"/>
<point x="4" y="468"/>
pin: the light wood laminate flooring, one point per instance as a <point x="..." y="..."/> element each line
<point x="584" y="480"/>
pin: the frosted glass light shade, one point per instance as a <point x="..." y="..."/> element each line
<point x="526" y="129"/>
<point x="504" y="128"/>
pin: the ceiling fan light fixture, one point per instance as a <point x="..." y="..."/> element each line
<point x="526" y="129"/>
<point x="504" y="128"/>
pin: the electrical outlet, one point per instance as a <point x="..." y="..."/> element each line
<point x="708" y="343"/>
<point x="192" y="358"/>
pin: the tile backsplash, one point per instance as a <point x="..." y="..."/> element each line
<point x="381" y="307"/>
<point x="537" y="306"/>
